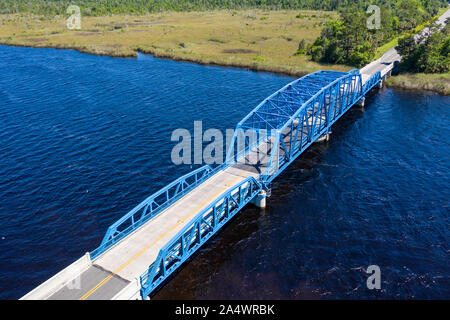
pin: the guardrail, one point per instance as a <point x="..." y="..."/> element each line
<point x="197" y="232"/>
<point x="371" y="82"/>
<point x="151" y="206"/>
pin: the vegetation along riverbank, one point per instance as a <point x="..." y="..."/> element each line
<point x="283" y="37"/>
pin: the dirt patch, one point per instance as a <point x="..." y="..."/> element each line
<point x="238" y="51"/>
<point x="36" y="39"/>
<point x="132" y="24"/>
<point x="138" y="30"/>
<point x="92" y="33"/>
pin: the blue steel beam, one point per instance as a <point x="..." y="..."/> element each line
<point x="151" y="207"/>
<point x="268" y="111"/>
<point x="205" y="224"/>
<point x="312" y="115"/>
<point x="373" y="80"/>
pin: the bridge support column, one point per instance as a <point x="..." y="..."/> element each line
<point x="362" y="103"/>
<point x="324" y="137"/>
<point x="260" y="199"/>
<point x="380" y="84"/>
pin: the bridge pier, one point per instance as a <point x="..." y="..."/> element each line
<point x="362" y="103"/>
<point x="380" y="84"/>
<point x="324" y="137"/>
<point x="260" y="199"/>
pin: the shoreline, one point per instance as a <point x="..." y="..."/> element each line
<point x="436" y="83"/>
<point x="252" y="67"/>
<point x="257" y="40"/>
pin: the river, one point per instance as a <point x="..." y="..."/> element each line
<point x="83" y="139"/>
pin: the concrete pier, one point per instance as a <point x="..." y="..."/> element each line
<point x="260" y="199"/>
<point x="325" y="137"/>
<point x="362" y="102"/>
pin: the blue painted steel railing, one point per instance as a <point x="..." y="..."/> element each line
<point x="373" y="80"/>
<point x="291" y="119"/>
<point x="312" y="120"/>
<point x="197" y="232"/>
<point x="297" y="115"/>
<point x="151" y="206"/>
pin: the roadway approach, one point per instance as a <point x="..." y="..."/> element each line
<point x="392" y="56"/>
<point x="144" y="247"/>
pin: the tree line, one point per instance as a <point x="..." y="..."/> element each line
<point x="107" y="7"/>
<point x="349" y="41"/>
<point x="428" y="53"/>
<point x="345" y="41"/>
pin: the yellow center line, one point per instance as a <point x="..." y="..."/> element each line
<point x="137" y="255"/>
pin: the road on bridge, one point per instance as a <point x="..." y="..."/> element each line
<point x="127" y="260"/>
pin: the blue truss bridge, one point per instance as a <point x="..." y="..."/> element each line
<point x="144" y="247"/>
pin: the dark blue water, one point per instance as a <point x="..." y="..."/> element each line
<point x="83" y="139"/>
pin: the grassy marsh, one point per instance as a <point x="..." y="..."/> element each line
<point x="255" y="39"/>
<point x="439" y="83"/>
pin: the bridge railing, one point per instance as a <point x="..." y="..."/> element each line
<point x="313" y="119"/>
<point x="152" y="206"/>
<point x="242" y="145"/>
<point x="373" y="80"/>
<point x="204" y="225"/>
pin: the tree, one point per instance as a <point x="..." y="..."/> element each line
<point x="426" y="54"/>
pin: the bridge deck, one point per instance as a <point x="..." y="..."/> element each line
<point x="113" y="270"/>
<point x="382" y="64"/>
